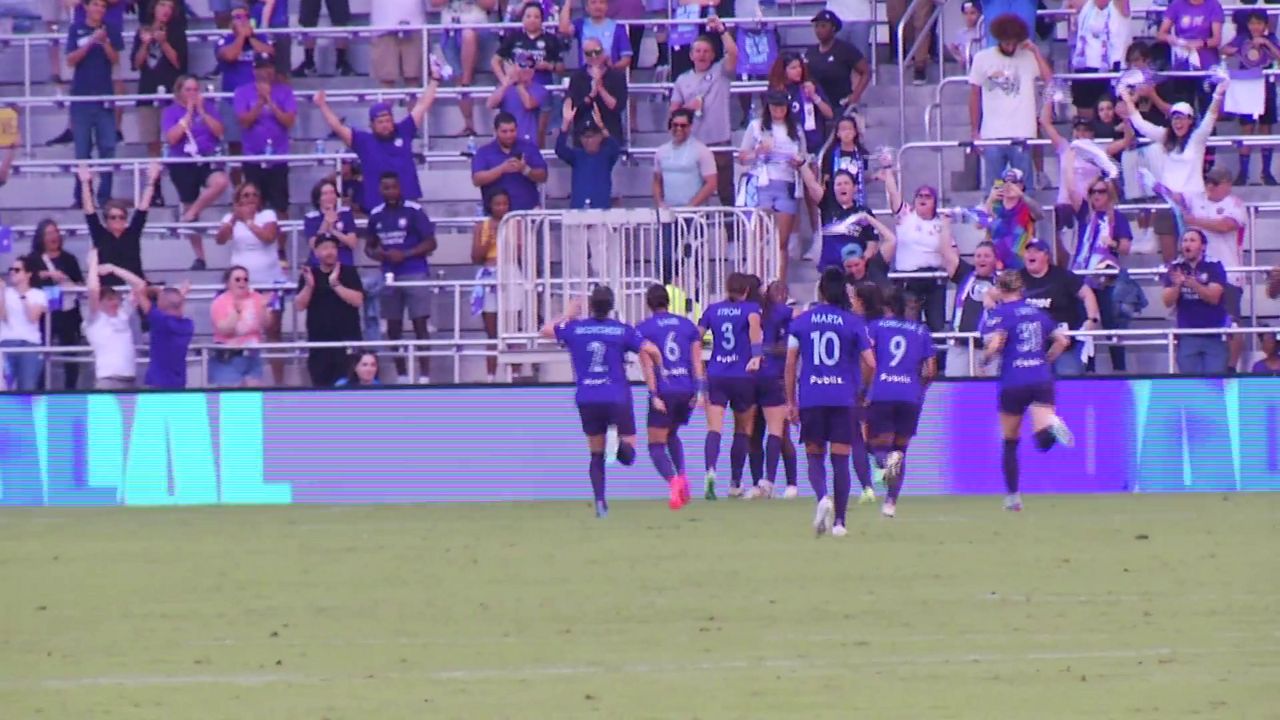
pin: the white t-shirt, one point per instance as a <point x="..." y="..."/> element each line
<point x="1008" y="87"/>
<point x="1183" y="170"/>
<point x="111" y="337"/>
<point x="386" y="13"/>
<point x="16" y="325"/>
<point x="777" y="163"/>
<point x="1223" y="246"/>
<point x="260" y="259"/>
<point x="917" y="242"/>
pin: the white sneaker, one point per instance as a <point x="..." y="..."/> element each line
<point x="790" y="493"/>
<point x="424" y="379"/>
<point x="736" y="492"/>
<point x="402" y="379"/>
<point x="824" y="516"/>
<point x="1062" y="433"/>
<point x="892" y="466"/>
<point x="839" y="531"/>
<point x="868" y="496"/>
<point x="764" y="489"/>
<point x="1013" y="503"/>
<point x="752" y="493"/>
<point x="889" y="509"/>
<point x="490" y="379"/>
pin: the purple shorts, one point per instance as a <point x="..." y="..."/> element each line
<point x="769" y="393"/>
<point x="834" y="424"/>
<point x="679" y="409"/>
<point x="1015" y="400"/>
<point x="738" y="393"/>
<point x="893" y="417"/>
<point x="597" y="417"/>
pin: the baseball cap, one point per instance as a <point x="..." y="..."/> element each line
<point x="850" y="251"/>
<point x="1038" y="244"/>
<point x="379" y="109"/>
<point x="1182" y="108"/>
<point x="1218" y="175"/>
<point x="1012" y="175"/>
<point x="828" y="17"/>
<point x="588" y="126"/>
<point x="262" y="60"/>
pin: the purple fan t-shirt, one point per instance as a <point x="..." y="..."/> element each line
<point x="526" y="119"/>
<point x="346" y="224"/>
<point x="1027" y="330"/>
<point x="902" y="347"/>
<point x="522" y="190"/>
<point x="776" y="323"/>
<point x="390" y="154"/>
<point x="402" y="227"/>
<point x="1195" y="22"/>
<point x="240" y="72"/>
<point x="830" y="341"/>
<point x="206" y="143"/>
<point x="170" y="339"/>
<point x="1254" y="58"/>
<point x="598" y="349"/>
<point x="1193" y="311"/>
<point x="728" y="321"/>
<point x="674" y="337"/>
<point x="267" y="128"/>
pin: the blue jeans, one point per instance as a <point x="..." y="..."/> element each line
<point x="1069" y="363"/>
<point x="22" y="369"/>
<point x="1202" y="355"/>
<point x="995" y="160"/>
<point x="94" y="125"/>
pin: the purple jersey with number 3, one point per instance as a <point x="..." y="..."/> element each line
<point x="902" y="347"/>
<point x="674" y="337"/>
<point x="831" y="341"/>
<point x="731" y="339"/>
<point x="1027" y="336"/>
<point x="599" y="350"/>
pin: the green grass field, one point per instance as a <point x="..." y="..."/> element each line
<point x="1080" y="607"/>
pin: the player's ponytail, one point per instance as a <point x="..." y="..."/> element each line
<point x="871" y="298"/>
<point x="601" y="302"/>
<point x="831" y="288"/>
<point x="1009" y="282"/>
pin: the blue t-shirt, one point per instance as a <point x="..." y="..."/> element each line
<point x="1027" y="331"/>
<point x="830" y="341"/>
<point x="902" y="347"/>
<point x="611" y="34"/>
<point x="170" y="339"/>
<point x="729" y="323"/>
<point x="402" y="227"/>
<point x="382" y="155"/>
<point x="92" y="75"/>
<point x="598" y="349"/>
<point x="775" y="324"/>
<point x="346" y="224"/>
<point x="674" y="337"/>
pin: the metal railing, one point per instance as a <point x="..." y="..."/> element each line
<point x="935" y="23"/>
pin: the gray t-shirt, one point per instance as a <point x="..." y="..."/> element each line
<point x="712" y="126"/>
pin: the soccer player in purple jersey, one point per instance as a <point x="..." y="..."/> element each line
<point x="823" y="353"/>
<point x="868" y="303"/>
<point x="906" y="362"/>
<point x="598" y="346"/>
<point x="679" y="380"/>
<point x="737" y="344"/>
<point x="776" y="318"/>
<point x="1028" y="341"/>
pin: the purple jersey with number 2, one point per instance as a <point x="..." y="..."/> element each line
<point x="831" y="341"/>
<point x="1027" y="334"/>
<point x="902" y="347"/>
<point x="599" y="350"/>
<point x="729" y="324"/>
<point x="674" y="337"/>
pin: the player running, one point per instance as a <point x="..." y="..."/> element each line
<point x="906" y="363"/>
<point x="737" y="343"/>
<point x="823" y="353"/>
<point x="1027" y="341"/>
<point x="598" y="346"/>
<point x="776" y="318"/>
<point x="678" y="382"/>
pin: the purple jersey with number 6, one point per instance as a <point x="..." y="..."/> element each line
<point x="599" y="350"/>
<point x="831" y="341"/>
<point x="902" y="347"/>
<point x="674" y="337"/>
<point x="731" y="340"/>
<point x="1027" y="336"/>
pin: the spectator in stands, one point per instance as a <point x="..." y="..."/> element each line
<point x="22" y="305"/>
<point x="518" y="95"/>
<point x="836" y="66"/>
<point x="845" y="221"/>
<point x="1103" y="237"/>
<point x="331" y="295"/>
<point x="401" y="236"/>
<point x="329" y="218"/>
<point x="530" y="46"/>
<point x="812" y="111"/>
<point x="267" y="110"/>
<point x="598" y="24"/>
<point x="684" y="175"/>
<point x="339" y="16"/>
<point x="968" y="40"/>
<point x="108" y="327"/>
<point x="1060" y="293"/>
<point x="1257" y="48"/>
<point x="235" y="53"/>
<point x="1223" y="219"/>
<point x="363" y="373"/>
<point x="252" y="230"/>
<point x="510" y="163"/>
<point x="171" y="333"/>
<point x="1193" y="30"/>
<point x="273" y="14"/>
<point x="6" y="162"/>
<point x="192" y="128"/>
<point x="845" y="152"/>
<point x="93" y="51"/>
<point x="56" y="270"/>
<point x="160" y="57"/>
<point x="705" y="90"/>
<point x="484" y="252"/>
<point x="918" y="231"/>
<point x="1002" y="97"/>
<point x="919" y="26"/>
<point x="1014" y="219"/>
<point x="1024" y="10"/>
<point x="1078" y="169"/>
<point x="973" y="283"/>
<point x="386" y="147"/>
<point x="239" y="314"/>
<point x="1270" y="362"/>
<point x="119" y="242"/>
<point x="1182" y="147"/>
<point x="597" y="85"/>
<point x="1101" y="41"/>
<point x="856" y="270"/>
<point x="463" y="48"/>
<point x="591" y="160"/>
<point x="773" y="150"/>
<point x="396" y="57"/>
<point x="1273" y="283"/>
<point x="1195" y="285"/>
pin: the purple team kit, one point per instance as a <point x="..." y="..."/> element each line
<point x="897" y="389"/>
<point x="674" y="336"/>
<point x="598" y="350"/>
<point x="729" y="382"/>
<point x="830" y="341"/>
<point x="769" y="391"/>
<point x="1026" y="376"/>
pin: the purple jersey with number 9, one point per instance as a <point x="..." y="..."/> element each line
<point x="598" y="349"/>
<point x="1028" y="333"/>
<point x="902" y="347"/>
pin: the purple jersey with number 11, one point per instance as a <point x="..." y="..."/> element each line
<point x="731" y="340"/>
<point x="674" y="337"/>
<point x="599" y="350"/>
<point x="831" y="341"/>
<point x="1027" y="336"/>
<point x="902" y="347"/>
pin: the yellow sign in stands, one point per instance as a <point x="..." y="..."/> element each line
<point x="8" y="127"/>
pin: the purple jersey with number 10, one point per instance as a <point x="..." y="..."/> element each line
<point x="902" y="347"/>
<point x="674" y="337"/>
<point x="1027" y="335"/>
<point x="831" y="341"/>
<point x="599" y="350"/>
<point x="731" y="340"/>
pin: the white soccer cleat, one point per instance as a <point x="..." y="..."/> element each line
<point x="1062" y="433"/>
<point x="752" y="493"/>
<point x="1013" y="503"/>
<point x="889" y="509"/>
<point x="790" y="493"/>
<point x="735" y="491"/>
<point x="764" y="490"/>
<point x="893" y="466"/>
<point x="824" y="516"/>
<point x="839" y="531"/>
<point x="868" y="496"/>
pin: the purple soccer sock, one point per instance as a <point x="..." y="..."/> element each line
<point x="881" y="454"/>
<point x="738" y="457"/>
<point x="755" y="460"/>
<point x="711" y="449"/>
<point x="861" y="462"/>
<point x="772" y="453"/>
<point x="597" y="475"/>
<point x="789" y="461"/>
<point x="818" y="474"/>
<point x="675" y="446"/>
<point x="842" y="484"/>
<point x="1009" y="462"/>
<point x="895" y="487"/>
<point x="661" y="461"/>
